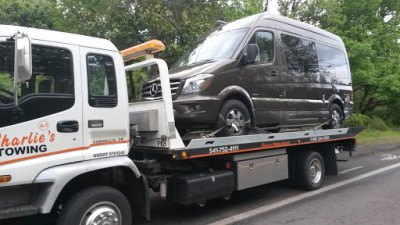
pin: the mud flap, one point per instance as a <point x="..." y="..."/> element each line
<point x="327" y="152"/>
<point x="141" y="199"/>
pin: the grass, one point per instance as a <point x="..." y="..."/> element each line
<point x="369" y="135"/>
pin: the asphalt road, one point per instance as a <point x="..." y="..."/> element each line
<point x="358" y="195"/>
<point x="374" y="200"/>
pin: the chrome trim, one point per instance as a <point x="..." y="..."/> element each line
<point x="286" y="100"/>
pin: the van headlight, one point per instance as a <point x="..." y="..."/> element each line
<point x="197" y="83"/>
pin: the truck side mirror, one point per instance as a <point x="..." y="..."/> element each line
<point x="251" y="54"/>
<point x="23" y="57"/>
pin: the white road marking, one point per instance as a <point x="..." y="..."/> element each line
<point x="349" y="170"/>
<point x="387" y="157"/>
<point x="266" y="208"/>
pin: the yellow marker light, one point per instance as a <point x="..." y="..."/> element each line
<point x="183" y="154"/>
<point x="5" y="178"/>
<point x="143" y="49"/>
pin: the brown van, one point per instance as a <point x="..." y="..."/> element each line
<point x="263" y="71"/>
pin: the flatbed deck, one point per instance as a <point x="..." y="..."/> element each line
<point x="209" y="147"/>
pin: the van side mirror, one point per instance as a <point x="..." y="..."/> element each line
<point x="23" y="57"/>
<point x="251" y="54"/>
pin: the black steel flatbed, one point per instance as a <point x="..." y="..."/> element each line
<point x="209" y="147"/>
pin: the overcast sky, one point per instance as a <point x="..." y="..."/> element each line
<point x="273" y="7"/>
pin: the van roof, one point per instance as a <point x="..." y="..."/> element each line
<point x="253" y="20"/>
<point x="298" y="24"/>
<point x="60" y="37"/>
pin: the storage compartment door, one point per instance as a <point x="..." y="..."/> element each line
<point x="254" y="172"/>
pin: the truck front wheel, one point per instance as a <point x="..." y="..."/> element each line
<point x="96" y="205"/>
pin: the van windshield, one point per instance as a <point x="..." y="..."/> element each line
<point x="215" y="46"/>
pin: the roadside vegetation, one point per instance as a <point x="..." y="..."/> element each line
<point x="374" y="128"/>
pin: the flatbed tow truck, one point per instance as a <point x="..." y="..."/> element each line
<point x="129" y="149"/>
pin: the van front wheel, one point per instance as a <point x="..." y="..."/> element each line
<point x="233" y="119"/>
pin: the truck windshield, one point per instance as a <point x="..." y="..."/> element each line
<point x="215" y="46"/>
<point x="6" y="73"/>
<point x="49" y="90"/>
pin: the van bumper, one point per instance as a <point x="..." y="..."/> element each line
<point x="348" y="110"/>
<point x="194" y="111"/>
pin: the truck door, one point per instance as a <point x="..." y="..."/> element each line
<point x="105" y="103"/>
<point x="45" y="127"/>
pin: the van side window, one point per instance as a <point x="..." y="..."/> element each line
<point x="101" y="81"/>
<point x="300" y="54"/>
<point x="50" y="90"/>
<point x="332" y="62"/>
<point x="265" y="42"/>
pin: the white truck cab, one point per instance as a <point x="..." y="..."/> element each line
<point x="44" y="133"/>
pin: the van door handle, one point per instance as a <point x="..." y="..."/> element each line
<point x="274" y="73"/>
<point x="68" y="126"/>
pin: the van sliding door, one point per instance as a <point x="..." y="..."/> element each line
<point x="301" y="78"/>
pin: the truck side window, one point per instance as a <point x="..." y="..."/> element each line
<point x="265" y="42"/>
<point x="101" y="81"/>
<point x="300" y="54"/>
<point x="50" y="90"/>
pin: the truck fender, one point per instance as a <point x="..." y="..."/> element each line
<point x="59" y="176"/>
<point x="244" y="97"/>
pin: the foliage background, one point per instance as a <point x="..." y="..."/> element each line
<point x="370" y="30"/>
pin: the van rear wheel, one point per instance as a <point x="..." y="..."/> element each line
<point x="336" y="114"/>
<point x="234" y="118"/>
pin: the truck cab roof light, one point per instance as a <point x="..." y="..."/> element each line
<point x="143" y="49"/>
<point x="5" y="178"/>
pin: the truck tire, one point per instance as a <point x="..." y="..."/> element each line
<point x="234" y="117"/>
<point x="310" y="171"/>
<point x="94" y="204"/>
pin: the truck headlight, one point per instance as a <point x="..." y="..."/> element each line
<point x="197" y="83"/>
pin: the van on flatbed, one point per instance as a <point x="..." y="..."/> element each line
<point x="264" y="71"/>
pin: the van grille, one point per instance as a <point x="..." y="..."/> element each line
<point x="152" y="90"/>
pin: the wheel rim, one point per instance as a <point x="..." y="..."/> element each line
<point x="336" y="119"/>
<point x="315" y="171"/>
<point x="102" y="213"/>
<point x="235" y="121"/>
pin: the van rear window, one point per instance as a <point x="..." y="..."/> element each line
<point x="332" y="62"/>
<point x="304" y="56"/>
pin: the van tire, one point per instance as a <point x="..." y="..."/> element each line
<point x="336" y="114"/>
<point x="95" y="203"/>
<point x="233" y="111"/>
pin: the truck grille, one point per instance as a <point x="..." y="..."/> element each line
<point x="152" y="90"/>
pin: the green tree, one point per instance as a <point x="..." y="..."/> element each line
<point x="236" y="9"/>
<point x="33" y="13"/>
<point x="114" y="20"/>
<point x="370" y="30"/>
